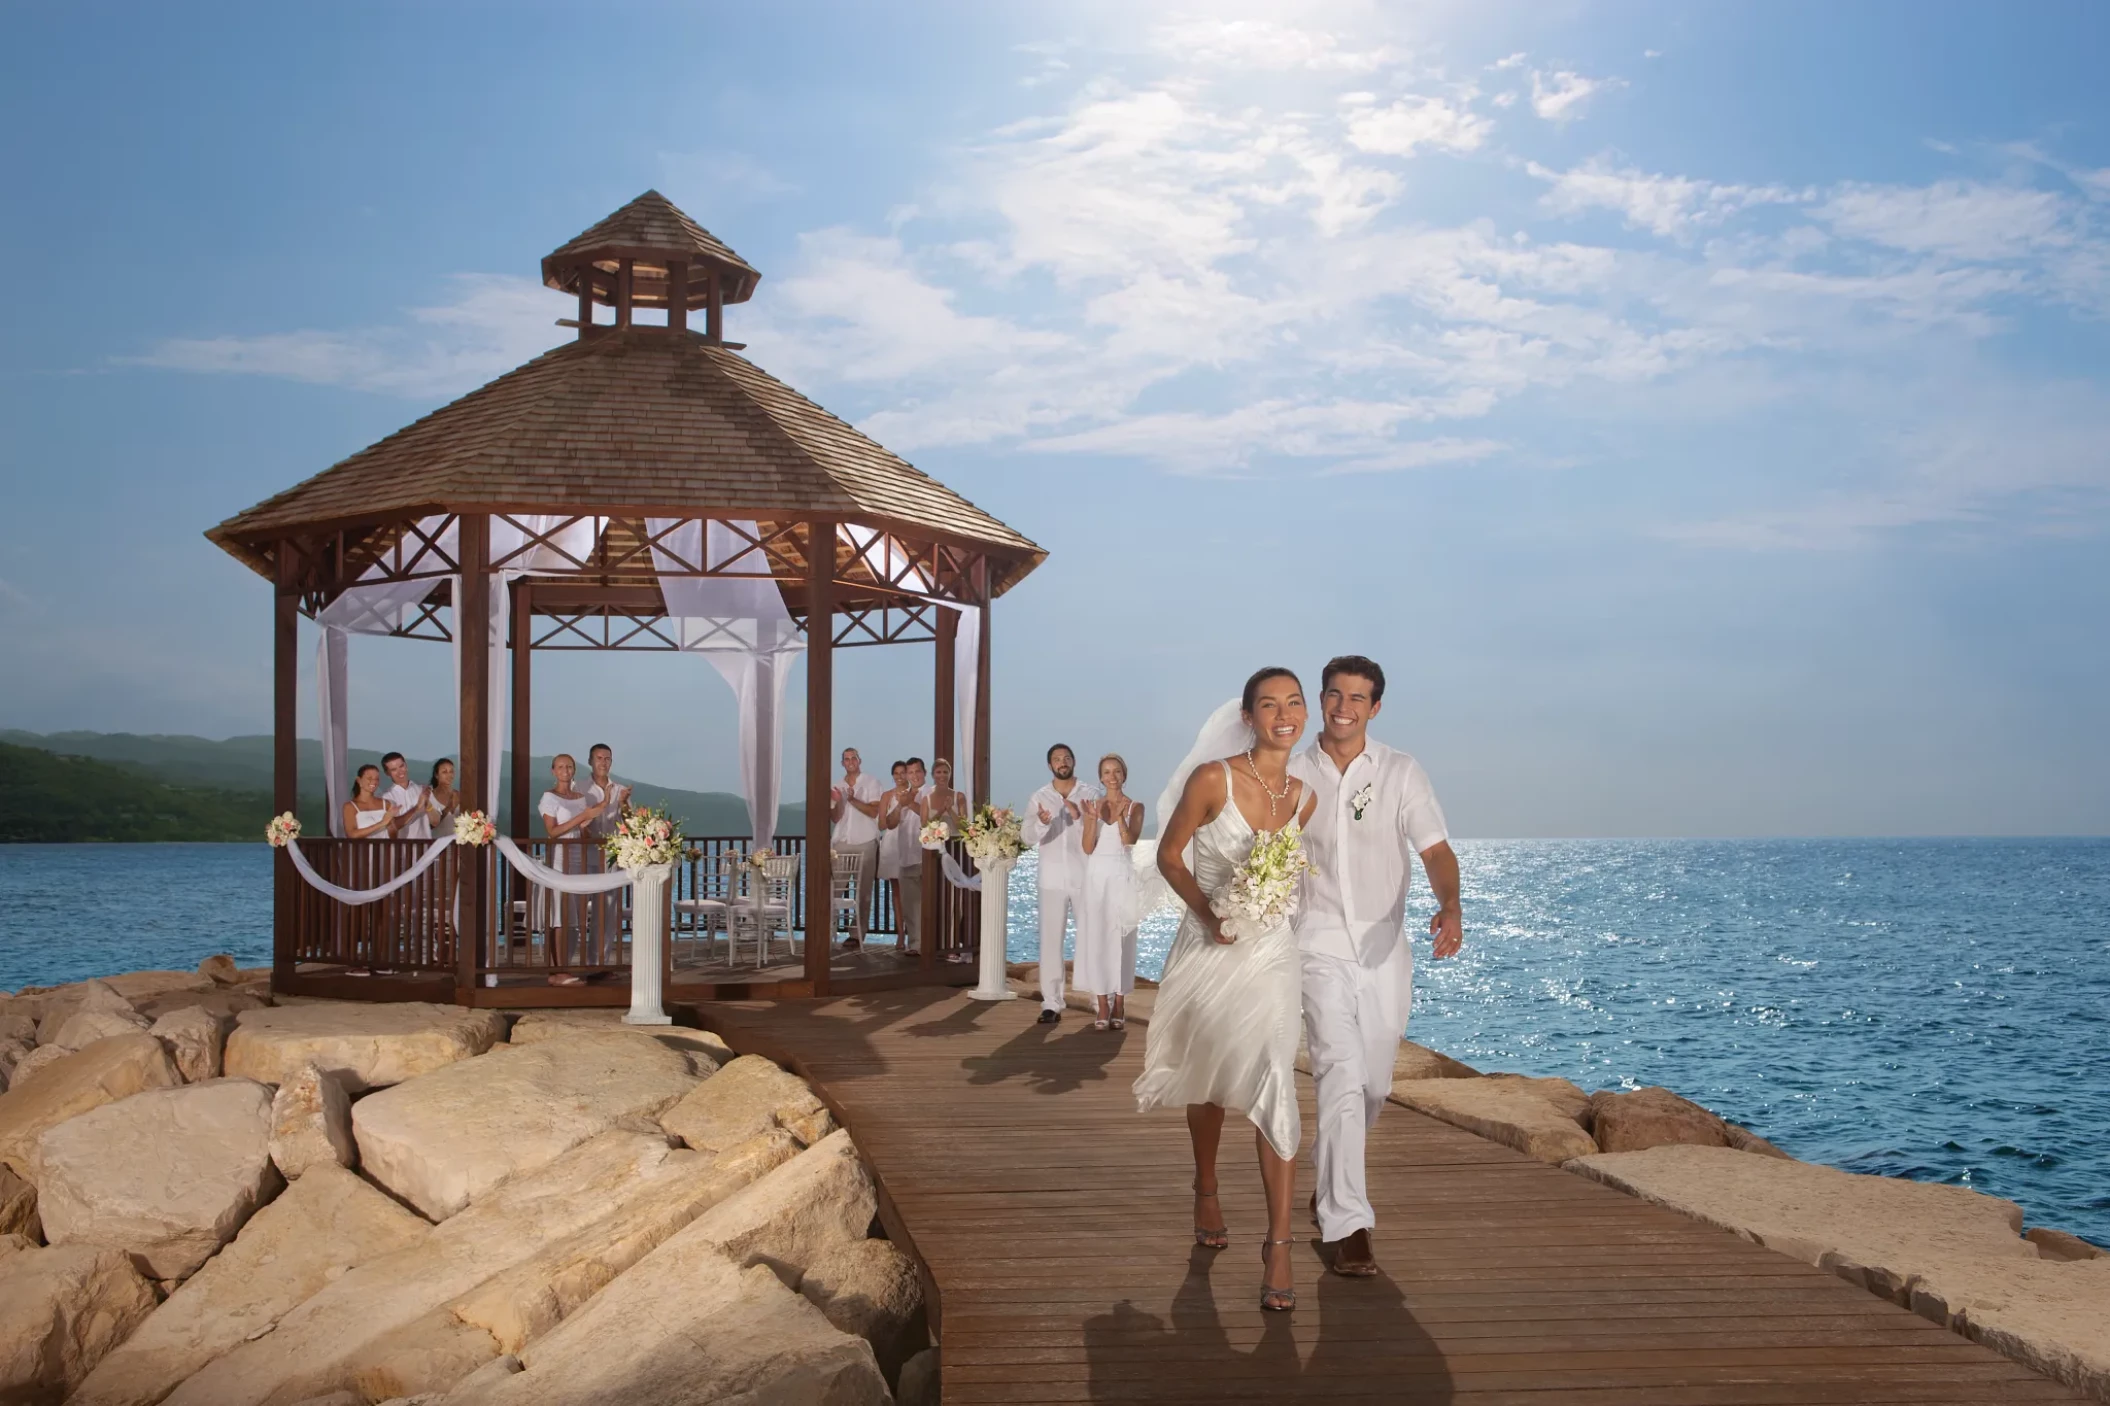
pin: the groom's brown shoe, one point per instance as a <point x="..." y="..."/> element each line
<point x="1352" y="1256"/>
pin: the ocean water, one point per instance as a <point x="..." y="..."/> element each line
<point x="1934" y="1009"/>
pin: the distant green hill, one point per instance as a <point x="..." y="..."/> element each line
<point x="61" y="799"/>
<point x="238" y="772"/>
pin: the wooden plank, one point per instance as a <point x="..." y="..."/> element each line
<point x="1051" y="1224"/>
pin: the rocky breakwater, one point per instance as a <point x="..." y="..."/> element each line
<point x="224" y="1202"/>
<point x="1954" y="1255"/>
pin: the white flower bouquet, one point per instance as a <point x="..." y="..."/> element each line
<point x="934" y="835"/>
<point x="282" y="831"/>
<point x="1262" y="893"/>
<point x="993" y="833"/>
<point x="474" y="828"/>
<point x="646" y="836"/>
<point x="759" y="859"/>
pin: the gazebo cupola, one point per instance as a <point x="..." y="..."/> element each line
<point x="650" y="255"/>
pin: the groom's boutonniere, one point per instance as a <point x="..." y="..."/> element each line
<point x="1360" y="801"/>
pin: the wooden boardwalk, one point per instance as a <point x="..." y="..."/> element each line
<point x="1052" y="1221"/>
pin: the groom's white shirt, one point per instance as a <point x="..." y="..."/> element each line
<point x="1061" y="840"/>
<point x="1355" y="896"/>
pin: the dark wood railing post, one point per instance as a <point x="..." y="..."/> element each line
<point x="523" y="631"/>
<point x="472" y="632"/>
<point x="820" y="743"/>
<point x="285" y="757"/>
<point x="942" y="710"/>
<point x="981" y="692"/>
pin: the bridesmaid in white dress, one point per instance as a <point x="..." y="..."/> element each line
<point x="1223" y="1033"/>
<point x="366" y="817"/>
<point x="1106" y="924"/>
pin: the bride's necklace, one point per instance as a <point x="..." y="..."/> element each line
<point x="1272" y="798"/>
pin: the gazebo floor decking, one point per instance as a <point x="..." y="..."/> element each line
<point x="1052" y="1222"/>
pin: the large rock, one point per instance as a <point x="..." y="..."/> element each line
<point x="1951" y="1254"/>
<point x="706" y="1050"/>
<point x="440" y="1141"/>
<point x="220" y="970"/>
<point x="194" y="1037"/>
<point x="1564" y="1094"/>
<point x="919" y="1381"/>
<point x="18" y="1207"/>
<point x="18" y="1023"/>
<point x="819" y="1200"/>
<point x="315" y="1346"/>
<point x="83" y="1028"/>
<point x="1744" y="1140"/>
<point x="12" y="1053"/>
<point x="748" y="1097"/>
<point x="125" y="991"/>
<point x="369" y="1045"/>
<point x="225" y="1003"/>
<point x="311" y="1123"/>
<point x="73" y="1084"/>
<point x="1414" y="1061"/>
<point x="871" y="1289"/>
<point x="324" y="1225"/>
<point x="2051" y="1244"/>
<point x="61" y="1310"/>
<point x="168" y="1176"/>
<point x="526" y="1301"/>
<point x="704" y="1334"/>
<point x="1652" y="1117"/>
<point x="33" y="1063"/>
<point x="1502" y="1108"/>
<point x="85" y="998"/>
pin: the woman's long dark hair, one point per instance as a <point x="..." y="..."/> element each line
<point x="1252" y="685"/>
<point x="443" y="761"/>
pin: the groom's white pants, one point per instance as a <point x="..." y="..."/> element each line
<point x="1354" y="1017"/>
<point x="1056" y="907"/>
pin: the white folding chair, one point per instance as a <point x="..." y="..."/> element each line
<point x="709" y="912"/>
<point x="845" y="878"/>
<point x="767" y="911"/>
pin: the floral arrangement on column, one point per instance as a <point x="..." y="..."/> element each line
<point x="474" y="828"/>
<point x="992" y="832"/>
<point x="283" y="830"/>
<point x="645" y="837"/>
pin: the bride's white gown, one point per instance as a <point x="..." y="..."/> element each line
<point x="1225" y="1024"/>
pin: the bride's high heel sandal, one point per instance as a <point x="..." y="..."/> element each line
<point x="1274" y="1300"/>
<point x="1217" y="1239"/>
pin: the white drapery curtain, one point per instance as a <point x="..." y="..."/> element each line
<point x="738" y="622"/>
<point x="895" y="563"/>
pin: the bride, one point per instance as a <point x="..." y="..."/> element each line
<point x="1223" y="1034"/>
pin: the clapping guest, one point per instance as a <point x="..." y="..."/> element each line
<point x="442" y="802"/>
<point x="1106" y="919"/>
<point x="565" y="815"/>
<point x="854" y="813"/>
<point x="614" y="798"/>
<point x="406" y="802"/>
<point x="889" y="848"/>
<point x="903" y="822"/>
<point x="366" y="815"/>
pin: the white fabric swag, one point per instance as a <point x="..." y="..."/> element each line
<point x="356" y="897"/>
<point x="538" y="873"/>
<point x="893" y="561"/>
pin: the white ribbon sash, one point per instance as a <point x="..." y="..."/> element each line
<point x="536" y="872"/>
<point x="959" y="878"/>
<point x="356" y="897"/>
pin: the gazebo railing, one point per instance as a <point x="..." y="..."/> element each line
<point x="410" y="930"/>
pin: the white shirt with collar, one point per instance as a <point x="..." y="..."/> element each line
<point x="857" y="828"/>
<point x="403" y="799"/>
<point x="1061" y="840"/>
<point x="1370" y="821"/>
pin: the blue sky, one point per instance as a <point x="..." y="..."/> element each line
<point x="1700" y="410"/>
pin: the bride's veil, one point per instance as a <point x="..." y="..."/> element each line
<point x="1225" y="734"/>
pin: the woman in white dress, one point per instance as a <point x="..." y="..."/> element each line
<point x="1223" y="1032"/>
<point x="1105" y="964"/>
<point x="366" y="817"/>
<point x="443" y="804"/>
<point x="565" y="815"/>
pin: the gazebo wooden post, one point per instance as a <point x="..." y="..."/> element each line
<point x="677" y="294"/>
<point x="981" y="690"/>
<point x="820" y="744"/>
<point x="523" y="736"/>
<point x="713" y="306"/>
<point x="472" y="633"/>
<point x="625" y="292"/>
<point x="285" y="753"/>
<point x="943" y="708"/>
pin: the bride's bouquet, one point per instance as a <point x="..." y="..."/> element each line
<point x="1262" y="893"/>
<point x="644" y="837"/>
<point x="992" y="832"/>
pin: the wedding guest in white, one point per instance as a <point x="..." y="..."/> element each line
<point x="406" y="801"/>
<point x="566" y="813"/>
<point x="855" y="802"/>
<point x="1054" y="825"/>
<point x="443" y="804"/>
<point x="1375" y="812"/>
<point x="604" y="912"/>
<point x="1223" y="1033"/>
<point x="949" y="808"/>
<point x="902" y="822"/>
<point x="366" y="815"/>
<point x="1106" y="924"/>
<point x="889" y="841"/>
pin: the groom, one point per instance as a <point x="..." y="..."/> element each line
<point x="1375" y="812"/>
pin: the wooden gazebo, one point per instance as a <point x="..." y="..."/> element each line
<point x="574" y="488"/>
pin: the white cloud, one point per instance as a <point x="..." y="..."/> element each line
<point x="1956" y="219"/>
<point x="1670" y="206"/>
<point x="1266" y="44"/>
<point x="1559" y="96"/>
<point x="1413" y="121"/>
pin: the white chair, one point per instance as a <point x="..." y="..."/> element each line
<point x="767" y="910"/>
<point x="710" y="911"/>
<point x="845" y="877"/>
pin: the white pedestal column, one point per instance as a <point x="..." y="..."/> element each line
<point x="648" y="930"/>
<point x="996" y="925"/>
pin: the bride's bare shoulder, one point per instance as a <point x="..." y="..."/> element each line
<point x="1206" y="785"/>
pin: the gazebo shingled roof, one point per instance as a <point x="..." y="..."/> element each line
<point x="634" y="418"/>
<point x="652" y="231"/>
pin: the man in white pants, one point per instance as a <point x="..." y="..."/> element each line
<point x="1054" y="824"/>
<point x="1375" y="811"/>
<point x="854" y="814"/>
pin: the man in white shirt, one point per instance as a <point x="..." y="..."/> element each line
<point x="408" y="818"/>
<point x="855" y="802"/>
<point x="1376" y="811"/>
<point x="1054" y="824"/>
